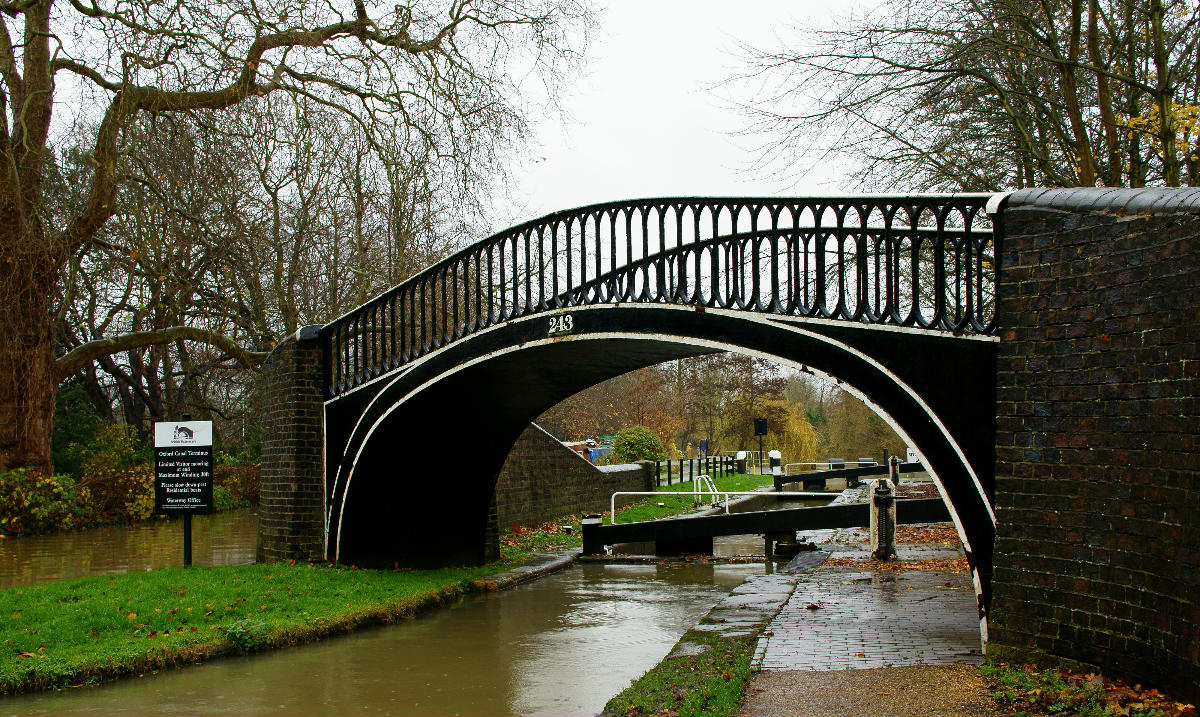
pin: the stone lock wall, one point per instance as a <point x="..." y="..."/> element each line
<point x="1098" y="434"/>
<point x="291" y="501"/>
<point x="542" y="480"/>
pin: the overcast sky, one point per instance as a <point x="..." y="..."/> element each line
<point x="646" y="118"/>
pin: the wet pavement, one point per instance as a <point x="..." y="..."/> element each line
<point x="849" y="640"/>
<point x="846" y="618"/>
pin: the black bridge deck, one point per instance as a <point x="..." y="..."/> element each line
<point x="679" y="530"/>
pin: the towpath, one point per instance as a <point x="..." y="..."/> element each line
<point x="857" y="638"/>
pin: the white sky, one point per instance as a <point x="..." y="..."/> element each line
<point x="646" y="118"/>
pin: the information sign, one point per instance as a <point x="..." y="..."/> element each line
<point x="183" y="467"/>
<point x="760" y="426"/>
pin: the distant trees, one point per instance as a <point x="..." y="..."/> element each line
<point x="716" y="398"/>
<point x="988" y="94"/>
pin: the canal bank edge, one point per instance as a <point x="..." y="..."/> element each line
<point x="710" y="665"/>
<point x="236" y="644"/>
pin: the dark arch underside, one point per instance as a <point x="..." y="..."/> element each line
<point x="412" y="458"/>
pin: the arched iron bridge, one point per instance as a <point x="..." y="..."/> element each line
<point x="927" y="262"/>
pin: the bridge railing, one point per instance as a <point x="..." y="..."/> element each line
<point x="927" y="262"/>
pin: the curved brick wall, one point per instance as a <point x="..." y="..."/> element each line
<point x="1097" y="497"/>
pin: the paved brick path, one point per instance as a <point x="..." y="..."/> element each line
<point x="874" y="619"/>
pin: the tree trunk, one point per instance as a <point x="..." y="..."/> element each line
<point x="28" y="379"/>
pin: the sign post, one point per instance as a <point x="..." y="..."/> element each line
<point x="183" y="473"/>
<point x="760" y="430"/>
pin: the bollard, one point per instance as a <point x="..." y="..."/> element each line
<point x="592" y="544"/>
<point x="883" y="522"/>
<point x="741" y="462"/>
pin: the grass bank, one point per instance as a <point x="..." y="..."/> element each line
<point x="89" y="630"/>
<point x="93" y="629"/>
<point x="709" y="682"/>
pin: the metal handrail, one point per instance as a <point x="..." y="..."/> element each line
<point x="923" y="261"/>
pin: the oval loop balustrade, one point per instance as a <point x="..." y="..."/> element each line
<point x="927" y="262"/>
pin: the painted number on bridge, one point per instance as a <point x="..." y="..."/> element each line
<point x="563" y="324"/>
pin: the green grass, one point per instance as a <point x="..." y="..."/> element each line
<point x="92" y="629"/>
<point x="709" y="684"/>
<point x="1020" y="689"/>
<point x="649" y="509"/>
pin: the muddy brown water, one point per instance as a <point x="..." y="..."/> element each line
<point x="219" y="539"/>
<point x="562" y="645"/>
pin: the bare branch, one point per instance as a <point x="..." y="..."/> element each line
<point x="79" y="357"/>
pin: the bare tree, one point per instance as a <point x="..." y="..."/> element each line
<point x="431" y="72"/>
<point x="985" y="94"/>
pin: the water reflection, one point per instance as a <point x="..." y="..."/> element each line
<point x="219" y="539"/>
<point x="562" y="645"/>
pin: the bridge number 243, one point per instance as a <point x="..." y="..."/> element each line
<point x="563" y="324"/>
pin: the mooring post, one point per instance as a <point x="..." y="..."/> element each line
<point x="591" y="541"/>
<point x="883" y="521"/>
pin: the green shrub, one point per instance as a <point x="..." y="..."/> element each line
<point x="121" y="495"/>
<point x="223" y="499"/>
<point x="247" y="635"/>
<point x="115" y="446"/>
<point x="33" y="503"/>
<point x="638" y="443"/>
<point x="241" y="480"/>
<point x="76" y="423"/>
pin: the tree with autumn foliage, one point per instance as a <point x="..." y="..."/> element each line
<point x="433" y="77"/>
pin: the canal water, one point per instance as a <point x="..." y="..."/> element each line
<point x="561" y="645"/>
<point x="220" y="539"/>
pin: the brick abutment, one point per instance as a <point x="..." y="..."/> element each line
<point x="1098" y="544"/>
